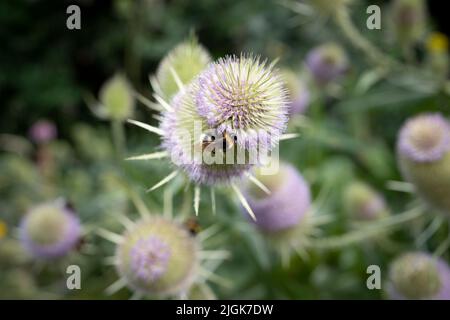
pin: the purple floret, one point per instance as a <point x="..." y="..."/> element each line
<point x="149" y="258"/>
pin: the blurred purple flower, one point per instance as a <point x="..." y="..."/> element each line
<point x="300" y="103"/>
<point x="50" y="231"/>
<point x="298" y="93"/>
<point x="287" y="203"/>
<point x="424" y="138"/>
<point x="43" y="131"/>
<point x="327" y="62"/>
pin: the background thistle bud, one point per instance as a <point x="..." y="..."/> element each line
<point x="409" y="20"/>
<point x="187" y="59"/>
<point x="299" y="96"/>
<point x="243" y="97"/>
<point x="50" y="230"/>
<point x="423" y="150"/>
<point x="43" y="131"/>
<point x="157" y="257"/>
<point x="364" y="203"/>
<point x="287" y="204"/>
<point x="327" y="63"/>
<point x="116" y="98"/>
<point x="417" y="275"/>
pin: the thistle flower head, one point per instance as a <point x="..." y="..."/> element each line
<point x="364" y="203"/>
<point x="423" y="151"/>
<point x="284" y="214"/>
<point x="43" y="131"/>
<point x="424" y="138"/>
<point x="327" y="62"/>
<point x="157" y="257"/>
<point x="187" y="60"/>
<point x="242" y="97"/>
<point x="285" y="206"/>
<point x="418" y="275"/>
<point x="189" y="142"/>
<point x="116" y="98"/>
<point x="50" y="230"/>
<point x="298" y="93"/>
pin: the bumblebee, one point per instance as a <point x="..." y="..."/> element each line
<point x="226" y="140"/>
<point x="192" y="226"/>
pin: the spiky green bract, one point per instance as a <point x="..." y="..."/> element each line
<point x="116" y="98"/>
<point x="417" y="275"/>
<point x="423" y="151"/>
<point x="201" y="291"/>
<point x="157" y="257"/>
<point x="187" y="60"/>
<point x="245" y="98"/>
<point x="363" y="203"/>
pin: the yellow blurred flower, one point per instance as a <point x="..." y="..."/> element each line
<point x="437" y="43"/>
<point x="3" y="229"/>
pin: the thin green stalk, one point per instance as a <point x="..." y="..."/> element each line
<point x="382" y="226"/>
<point x="345" y="23"/>
<point x="118" y="134"/>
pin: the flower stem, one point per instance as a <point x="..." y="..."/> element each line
<point x="118" y="135"/>
<point x="375" y="229"/>
<point x="344" y="22"/>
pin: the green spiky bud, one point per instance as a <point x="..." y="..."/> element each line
<point x="362" y="202"/>
<point x="409" y="20"/>
<point x="116" y="98"/>
<point x="415" y="276"/>
<point x="186" y="60"/>
<point x="423" y="151"/>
